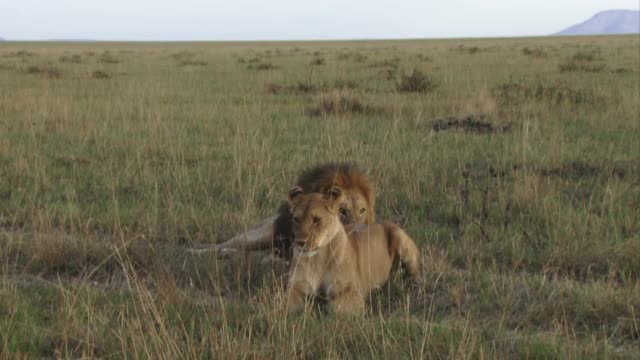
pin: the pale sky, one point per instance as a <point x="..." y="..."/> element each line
<point x="291" y="19"/>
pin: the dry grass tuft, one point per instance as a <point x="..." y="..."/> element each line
<point x="337" y="103"/>
<point x="20" y="54"/>
<point x="480" y="102"/>
<point x="72" y="59"/>
<point x="318" y="61"/>
<point x="108" y="58"/>
<point x="557" y="93"/>
<point x="534" y="52"/>
<point x="187" y="58"/>
<point x="416" y="81"/>
<point x="342" y="103"/>
<point x="261" y="66"/>
<point x="48" y="71"/>
<point x="100" y="74"/>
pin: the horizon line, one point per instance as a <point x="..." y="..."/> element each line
<point x="311" y="40"/>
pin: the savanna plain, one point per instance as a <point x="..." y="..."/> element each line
<point x="513" y="163"/>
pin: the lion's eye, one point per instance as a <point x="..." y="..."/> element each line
<point x="343" y="211"/>
<point x="316" y="220"/>
<point x="362" y="211"/>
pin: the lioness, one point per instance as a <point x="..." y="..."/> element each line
<point x="340" y="264"/>
<point x="357" y="206"/>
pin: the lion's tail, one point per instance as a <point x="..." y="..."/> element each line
<point x="404" y="247"/>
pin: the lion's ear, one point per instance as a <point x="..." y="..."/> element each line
<point x="294" y="192"/>
<point x="334" y="198"/>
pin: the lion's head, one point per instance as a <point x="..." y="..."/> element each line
<point x="357" y="203"/>
<point x="315" y="218"/>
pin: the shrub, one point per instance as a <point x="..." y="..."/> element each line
<point x="74" y="59"/>
<point x="534" y="52"/>
<point x="273" y="88"/>
<point x="193" y="62"/>
<point x="107" y="58"/>
<point x="345" y="84"/>
<point x="415" y="82"/>
<point x="318" y="61"/>
<point x="50" y="72"/>
<point x="99" y="74"/>
<point x="517" y="93"/>
<point x="572" y="65"/>
<point x="19" y="53"/>
<point x="262" y="66"/>
<point x="585" y="56"/>
<point x="340" y="103"/>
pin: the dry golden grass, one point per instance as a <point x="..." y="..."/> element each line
<point x="114" y="158"/>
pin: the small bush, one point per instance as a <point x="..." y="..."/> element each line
<point x="193" y="62"/>
<point x="337" y="103"/>
<point x="20" y="54"/>
<point x="534" y="52"/>
<point x="303" y="88"/>
<point x="415" y="82"/>
<point x="393" y="63"/>
<point x="273" y="88"/>
<point x="620" y="71"/>
<point x="107" y="58"/>
<point x="318" y="61"/>
<point x="466" y="49"/>
<point x="341" y="103"/>
<point x="73" y="59"/>
<point x="345" y="84"/>
<point x="99" y="74"/>
<point x="187" y="58"/>
<point x="359" y="58"/>
<point x="572" y="66"/>
<point x="50" y="72"/>
<point x="262" y="66"/>
<point x="517" y="93"/>
<point x="585" y="56"/>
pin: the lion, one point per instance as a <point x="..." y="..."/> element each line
<point x="340" y="263"/>
<point x="357" y="206"/>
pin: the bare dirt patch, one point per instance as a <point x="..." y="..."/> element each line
<point x="582" y="169"/>
<point x="478" y="124"/>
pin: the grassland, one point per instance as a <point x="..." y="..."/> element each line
<point x="513" y="163"/>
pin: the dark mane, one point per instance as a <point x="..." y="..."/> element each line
<point x="322" y="178"/>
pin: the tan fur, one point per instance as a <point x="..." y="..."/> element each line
<point x="357" y="207"/>
<point x="341" y="263"/>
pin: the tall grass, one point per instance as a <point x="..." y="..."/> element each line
<point x="116" y="157"/>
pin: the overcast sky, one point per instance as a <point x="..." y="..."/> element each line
<point x="291" y="19"/>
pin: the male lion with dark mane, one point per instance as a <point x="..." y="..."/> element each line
<point x="340" y="263"/>
<point x="357" y="206"/>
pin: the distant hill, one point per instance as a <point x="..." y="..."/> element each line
<point x="607" y="22"/>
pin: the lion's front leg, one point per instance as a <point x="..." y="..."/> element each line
<point x="348" y="301"/>
<point x="295" y="300"/>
